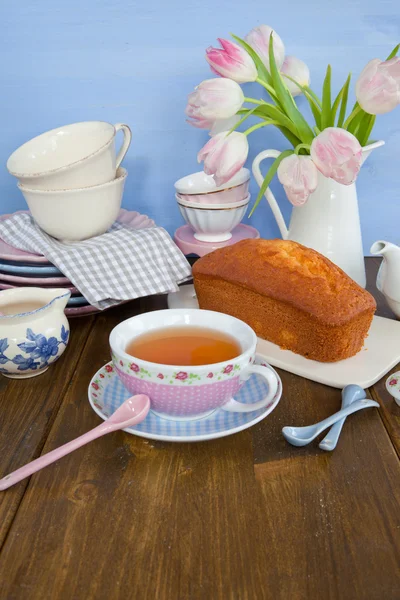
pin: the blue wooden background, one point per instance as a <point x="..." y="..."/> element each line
<point x="136" y="61"/>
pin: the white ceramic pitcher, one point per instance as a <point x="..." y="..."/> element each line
<point x="329" y="222"/>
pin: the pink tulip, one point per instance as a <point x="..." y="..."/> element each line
<point x="231" y="61"/>
<point x="299" y="177"/>
<point x="258" y="39"/>
<point x="196" y="120"/>
<point x="337" y="154"/>
<point x="224" y="155"/>
<point x="297" y="70"/>
<point x="378" y="87"/>
<point x="214" y="99"/>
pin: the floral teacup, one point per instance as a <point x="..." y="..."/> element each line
<point x="187" y="392"/>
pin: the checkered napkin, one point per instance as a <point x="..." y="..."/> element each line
<point x="122" y="264"/>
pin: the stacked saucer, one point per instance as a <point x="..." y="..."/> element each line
<point x="21" y="269"/>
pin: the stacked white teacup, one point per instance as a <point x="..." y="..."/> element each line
<point x="213" y="211"/>
<point x="71" y="178"/>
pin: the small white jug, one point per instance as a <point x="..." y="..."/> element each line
<point x="388" y="278"/>
<point x="34" y="330"/>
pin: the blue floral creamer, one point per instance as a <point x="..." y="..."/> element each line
<point x="34" y="330"/>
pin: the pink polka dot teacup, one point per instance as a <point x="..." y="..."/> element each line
<point x="189" y="392"/>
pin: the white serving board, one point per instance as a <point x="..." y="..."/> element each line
<point x="380" y="353"/>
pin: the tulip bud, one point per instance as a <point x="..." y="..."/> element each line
<point x="378" y="87"/>
<point x="214" y="99"/>
<point x="224" y="155"/>
<point x="297" y="70"/>
<point x="299" y="177"/>
<point x="258" y="39"/>
<point x="337" y="154"/>
<point x="231" y="61"/>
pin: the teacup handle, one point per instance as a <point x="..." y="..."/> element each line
<point x="234" y="406"/>
<point x="126" y="143"/>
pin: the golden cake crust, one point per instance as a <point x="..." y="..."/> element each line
<point x="289" y="294"/>
<point x="289" y="272"/>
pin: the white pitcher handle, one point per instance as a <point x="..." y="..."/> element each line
<point x="268" y="194"/>
<point x="126" y="143"/>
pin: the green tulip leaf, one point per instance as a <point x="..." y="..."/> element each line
<point x="312" y="99"/>
<point x="343" y="103"/>
<point x="365" y="128"/>
<point x="313" y="94"/>
<point x="393" y="52"/>
<point x="285" y="98"/>
<point x="294" y="140"/>
<point x="338" y="98"/>
<point x="326" y="113"/>
<point x="356" y="122"/>
<point x="273" y="112"/>
<point x="263" y="123"/>
<point x="269" y="176"/>
<point x="270" y="111"/>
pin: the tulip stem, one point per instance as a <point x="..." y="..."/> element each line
<point x="268" y="87"/>
<point x="300" y="146"/>
<point x="355" y="112"/>
<point x="259" y="125"/>
<point x="253" y="101"/>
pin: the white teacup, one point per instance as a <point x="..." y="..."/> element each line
<point x="73" y="156"/>
<point x="78" y="214"/>
<point x="190" y="392"/>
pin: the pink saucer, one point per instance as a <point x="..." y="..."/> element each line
<point x="8" y="252"/>
<point x="89" y="309"/>
<point x="46" y="281"/>
<point x="188" y="244"/>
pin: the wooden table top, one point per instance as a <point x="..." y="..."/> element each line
<point x="246" y="517"/>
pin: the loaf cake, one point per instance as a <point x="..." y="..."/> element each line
<point x="289" y="294"/>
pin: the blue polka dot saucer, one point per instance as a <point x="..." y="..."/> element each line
<point x="106" y="393"/>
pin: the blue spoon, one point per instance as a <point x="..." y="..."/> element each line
<point x="350" y="394"/>
<point x="301" y="436"/>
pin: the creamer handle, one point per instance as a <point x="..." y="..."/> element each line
<point x="268" y="194"/>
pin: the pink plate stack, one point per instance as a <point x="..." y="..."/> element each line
<point x="19" y="268"/>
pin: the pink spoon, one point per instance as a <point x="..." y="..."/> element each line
<point x="132" y="411"/>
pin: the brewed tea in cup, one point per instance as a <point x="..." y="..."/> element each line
<point x="188" y="346"/>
